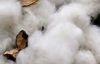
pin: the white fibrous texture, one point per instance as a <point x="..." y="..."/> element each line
<point x="10" y="14"/>
<point x="59" y="31"/>
<point x="85" y="57"/>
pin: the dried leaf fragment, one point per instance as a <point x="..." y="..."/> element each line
<point x="26" y="3"/>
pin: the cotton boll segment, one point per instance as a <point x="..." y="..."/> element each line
<point x="42" y="9"/>
<point x="59" y="3"/>
<point x="85" y="57"/>
<point x="29" y="23"/>
<point x="5" y="44"/>
<point x="92" y="6"/>
<point x="37" y="35"/>
<point x="10" y="62"/>
<point x="3" y="60"/>
<point x="93" y="41"/>
<point x="22" y="57"/>
<point x="25" y="56"/>
<point x="58" y="46"/>
<point x="76" y="13"/>
<point x="10" y="13"/>
<point x="8" y="0"/>
<point x="35" y="16"/>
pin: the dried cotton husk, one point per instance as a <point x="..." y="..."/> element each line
<point x="26" y="3"/>
<point x="21" y="43"/>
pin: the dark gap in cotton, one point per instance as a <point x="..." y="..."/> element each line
<point x="96" y="21"/>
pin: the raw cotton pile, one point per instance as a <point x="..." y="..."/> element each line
<point x="60" y="31"/>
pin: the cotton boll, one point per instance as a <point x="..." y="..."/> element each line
<point x="85" y="57"/>
<point x="10" y="13"/>
<point x="28" y="53"/>
<point x="25" y="56"/>
<point x="89" y="2"/>
<point x="42" y="9"/>
<point x="92" y="6"/>
<point x="34" y="38"/>
<point x="8" y="0"/>
<point x="93" y="41"/>
<point x="5" y="44"/>
<point x="57" y="46"/>
<point x="35" y="16"/>
<point x="3" y="60"/>
<point x="29" y="23"/>
<point x="10" y="62"/>
<point x="6" y="41"/>
<point x="59" y="3"/>
<point x="76" y="13"/>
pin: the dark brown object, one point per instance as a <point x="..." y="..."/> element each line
<point x="21" y="43"/>
<point x="11" y="54"/>
<point x="21" y="40"/>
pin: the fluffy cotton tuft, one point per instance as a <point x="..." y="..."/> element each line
<point x="4" y="60"/>
<point x="10" y="13"/>
<point x="29" y="23"/>
<point x="76" y="13"/>
<point x="67" y="29"/>
<point x="35" y="16"/>
<point x="42" y="9"/>
<point x="85" y="57"/>
<point x="93" y="41"/>
<point x="56" y="47"/>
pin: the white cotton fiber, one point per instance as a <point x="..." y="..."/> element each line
<point x="37" y="35"/>
<point x="10" y="13"/>
<point x="76" y="13"/>
<point x="93" y="41"/>
<point x="29" y="23"/>
<point x="42" y="9"/>
<point x="66" y="30"/>
<point x="4" y="60"/>
<point x="26" y="55"/>
<point x="58" y="46"/>
<point x="59" y="2"/>
<point x="79" y="12"/>
<point x="85" y="57"/>
<point x="92" y="6"/>
<point x="35" y="16"/>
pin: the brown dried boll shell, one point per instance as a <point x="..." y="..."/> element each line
<point x="11" y="54"/>
<point x="26" y="3"/>
<point x="21" y="40"/>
